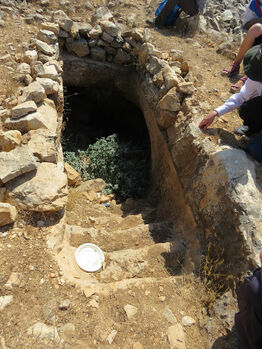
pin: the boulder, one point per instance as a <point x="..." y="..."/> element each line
<point x="7" y="214"/>
<point x="47" y="36"/>
<point x="49" y="72"/>
<point x="23" y="109"/>
<point x="49" y="85"/>
<point x="110" y="28"/>
<point x="170" y="101"/>
<point x="10" y="140"/>
<point x="74" y="178"/>
<point x="63" y="20"/>
<point x="41" y="331"/>
<point x="15" y="163"/>
<point x="79" y="47"/>
<point x="53" y="27"/>
<point x="122" y="57"/>
<point x="44" y="117"/>
<point x="43" y="190"/>
<point x="33" y="92"/>
<point x="45" y="48"/>
<point x="102" y="14"/>
<point x="176" y="337"/>
<point x="43" y="145"/>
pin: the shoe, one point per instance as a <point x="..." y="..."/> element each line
<point x="242" y="130"/>
<point x="150" y="22"/>
<point x="233" y="70"/>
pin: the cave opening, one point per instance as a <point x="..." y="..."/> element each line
<point x="105" y="135"/>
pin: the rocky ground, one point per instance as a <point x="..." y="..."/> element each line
<point x="41" y="304"/>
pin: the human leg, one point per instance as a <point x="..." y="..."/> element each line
<point x="253" y="33"/>
<point x="240" y="83"/>
<point x="190" y="7"/>
<point x="166" y="9"/>
<point x="250" y="113"/>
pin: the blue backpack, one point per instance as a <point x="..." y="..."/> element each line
<point x="173" y="15"/>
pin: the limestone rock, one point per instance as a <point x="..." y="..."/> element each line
<point x="122" y="57"/>
<point x="84" y="29"/>
<point x="16" y="162"/>
<point x="4" y="301"/>
<point x="53" y="27"/>
<point x="176" y="337"/>
<point x="74" y="178"/>
<point x="130" y="311"/>
<point x="102" y="14"/>
<point x="68" y="331"/>
<point x="96" y="185"/>
<point x="44" y="117"/>
<point x="110" y="28"/>
<point x="154" y="65"/>
<point x="188" y="321"/>
<point x="23" y="109"/>
<point x="63" y="20"/>
<point x="42" y="143"/>
<point x="64" y="305"/>
<point x="169" y="316"/>
<point x="111" y="337"/>
<point x="186" y="87"/>
<point x="170" y="101"/>
<point x="49" y="85"/>
<point x="15" y="280"/>
<point x="170" y="77"/>
<point x="79" y="47"/>
<point x="95" y="32"/>
<point x="7" y="214"/>
<point x="23" y="69"/>
<point x="49" y="72"/>
<point x="42" y="190"/>
<point x="42" y="331"/>
<point x="165" y="118"/>
<point x="33" y="92"/>
<point x="10" y="140"/>
<point x="38" y="68"/>
<point x="47" y="36"/>
<point x="45" y="48"/>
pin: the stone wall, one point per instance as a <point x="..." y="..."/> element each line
<point x="210" y="190"/>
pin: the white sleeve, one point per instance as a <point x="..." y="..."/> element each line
<point x="248" y="91"/>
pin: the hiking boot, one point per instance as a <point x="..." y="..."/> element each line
<point x="150" y="22"/>
<point x="242" y="130"/>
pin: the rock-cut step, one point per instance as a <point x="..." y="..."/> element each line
<point x="108" y="240"/>
<point x="157" y="260"/>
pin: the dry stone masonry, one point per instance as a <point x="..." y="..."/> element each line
<point x="210" y="189"/>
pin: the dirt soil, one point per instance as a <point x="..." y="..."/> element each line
<point x="41" y="286"/>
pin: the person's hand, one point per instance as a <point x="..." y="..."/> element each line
<point x="207" y="121"/>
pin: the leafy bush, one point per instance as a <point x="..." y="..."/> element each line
<point x="124" y="166"/>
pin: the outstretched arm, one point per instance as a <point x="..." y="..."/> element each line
<point x="207" y="121"/>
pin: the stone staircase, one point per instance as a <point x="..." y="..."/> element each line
<point x="136" y="295"/>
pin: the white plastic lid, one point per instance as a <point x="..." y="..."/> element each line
<point x="89" y="257"/>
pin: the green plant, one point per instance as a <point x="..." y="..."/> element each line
<point x="124" y="165"/>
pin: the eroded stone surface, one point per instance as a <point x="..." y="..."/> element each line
<point x="11" y="168"/>
<point x="10" y="140"/>
<point x="44" y="117"/>
<point x="7" y="214"/>
<point x="42" y="190"/>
